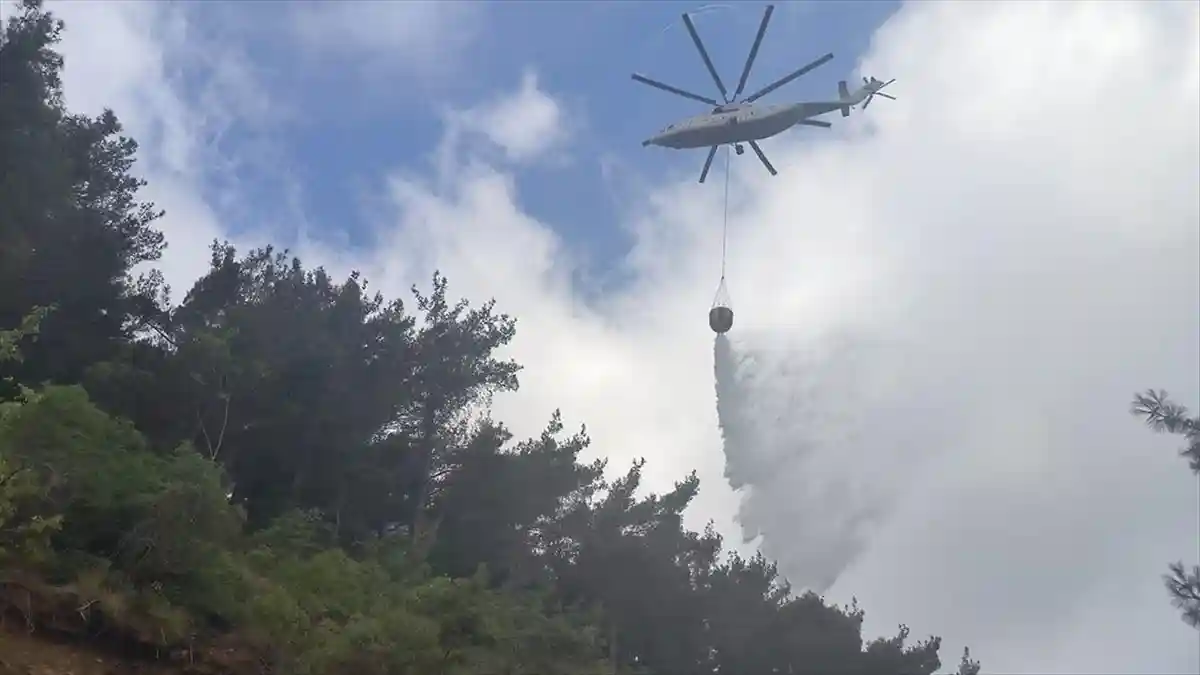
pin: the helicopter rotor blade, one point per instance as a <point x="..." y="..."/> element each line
<point x="867" y="102"/>
<point x="880" y="93"/>
<point x="674" y="90"/>
<point x="779" y="83"/>
<point x="712" y="152"/>
<point x="687" y="20"/>
<point x="761" y="157"/>
<point x="762" y="30"/>
<point x="815" y="123"/>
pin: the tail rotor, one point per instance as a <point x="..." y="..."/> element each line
<point x="875" y="86"/>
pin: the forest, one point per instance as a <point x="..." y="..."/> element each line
<point x="283" y="472"/>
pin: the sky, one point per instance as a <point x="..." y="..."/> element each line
<point x="943" y="304"/>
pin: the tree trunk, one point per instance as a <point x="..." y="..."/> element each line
<point x="423" y="533"/>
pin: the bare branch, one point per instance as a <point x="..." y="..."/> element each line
<point x="224" y="424"/>
<point x="214" y="449"/>
<point x="204" y="431"/>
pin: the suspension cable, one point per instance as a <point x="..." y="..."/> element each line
<point x="725" y="223"/>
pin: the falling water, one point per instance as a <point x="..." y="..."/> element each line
<point x="813" y="479"/>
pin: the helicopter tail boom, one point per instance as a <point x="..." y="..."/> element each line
<point x="844" y="94"/>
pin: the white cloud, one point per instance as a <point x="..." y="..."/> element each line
<point x="423" y="37"/>
<point x="526" y="124"/>
<point x="1016" y="239"/>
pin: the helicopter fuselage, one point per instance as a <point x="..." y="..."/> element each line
<point x="734" y="124"/>
<point x="740" y="120"/>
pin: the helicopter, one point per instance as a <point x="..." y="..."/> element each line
<point x="734" y="122"/>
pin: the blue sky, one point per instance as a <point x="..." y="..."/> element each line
<point x="353" y="122"/>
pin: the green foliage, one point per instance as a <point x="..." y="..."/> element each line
<point x="319" y="610"/>
<point x="24" y="536"/>
<point x="1163" y="415"/>
<point x="24" y="533"/>
<point x="10" y="340"/>
<point x="288" y="470"/>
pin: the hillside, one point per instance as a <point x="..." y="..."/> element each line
<point x="24" y="654"/>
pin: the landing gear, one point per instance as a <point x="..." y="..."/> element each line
<point x="737" y="148"/>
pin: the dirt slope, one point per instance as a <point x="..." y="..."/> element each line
<point x="24" y="654"/>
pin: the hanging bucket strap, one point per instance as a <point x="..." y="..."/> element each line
<point x="722" y="299"/>
<point x="725" y="218"/>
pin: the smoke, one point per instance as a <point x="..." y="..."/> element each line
<point x="815" y="476"/>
